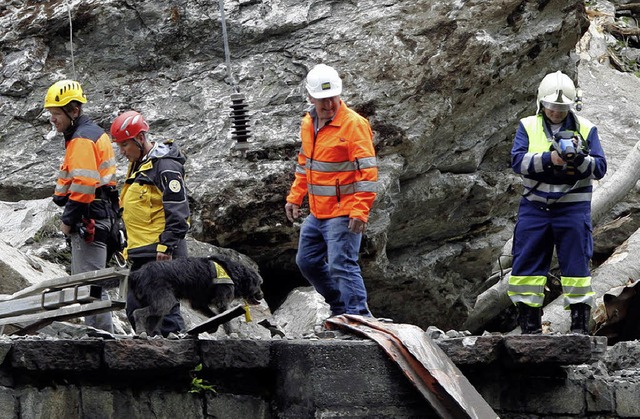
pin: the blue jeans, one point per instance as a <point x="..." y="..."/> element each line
<point x="328" y="259"/>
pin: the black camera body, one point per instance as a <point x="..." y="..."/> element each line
<point x="566" y="144"/>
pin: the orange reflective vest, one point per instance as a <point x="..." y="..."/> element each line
<point x="89" y="163"/>
<point x="337" y="167"/>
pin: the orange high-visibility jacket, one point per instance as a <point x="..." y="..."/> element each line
<point x="89" y="163"/>
<point x="337" y="167"/>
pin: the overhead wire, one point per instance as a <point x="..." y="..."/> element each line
<point x="73" y="62"/>
<point x="53" y="132"/>
<point x="239" y="116"/>
<point x="225" y="40"/>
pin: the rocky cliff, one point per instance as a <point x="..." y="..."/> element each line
<point x="443" y="84"/>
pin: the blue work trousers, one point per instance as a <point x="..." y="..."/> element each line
<point x="328" y="259"/>
<point x="539" y="228"/>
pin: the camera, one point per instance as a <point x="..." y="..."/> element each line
<point x="564" y="142"/>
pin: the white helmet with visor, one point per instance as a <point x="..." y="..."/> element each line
<point x="556" y="92"/>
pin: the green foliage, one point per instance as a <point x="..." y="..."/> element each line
<point x="199" y="385"/>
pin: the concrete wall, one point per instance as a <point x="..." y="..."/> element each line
<point x="319" y="378"/>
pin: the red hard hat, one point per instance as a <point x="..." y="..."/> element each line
<point x="127" y="125"/>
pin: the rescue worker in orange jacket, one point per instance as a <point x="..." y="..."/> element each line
<point x="154" y="201"/>
<point x="337" y="170"/>
<point x="86" y="185"/>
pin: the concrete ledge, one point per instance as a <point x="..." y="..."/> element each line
<point x="550" y="350"/>
<point x="355" y="378"/>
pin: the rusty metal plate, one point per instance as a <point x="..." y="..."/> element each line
<point x="423" y="362"/>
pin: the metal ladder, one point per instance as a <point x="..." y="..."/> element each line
<point x="60" y="299"/>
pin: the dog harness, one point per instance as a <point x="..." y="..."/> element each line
<point x="222" y="277"/>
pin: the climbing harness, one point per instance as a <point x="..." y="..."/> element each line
<point x="239" y="116"/>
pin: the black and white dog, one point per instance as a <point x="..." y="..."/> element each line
<point x="159" y="285"/>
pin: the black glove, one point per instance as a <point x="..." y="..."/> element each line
<point x="579" y="159"/>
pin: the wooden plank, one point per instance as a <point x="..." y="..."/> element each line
<point x="212" y="324"/>
<point x="50" y="300"/>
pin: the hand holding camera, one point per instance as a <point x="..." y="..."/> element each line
<point x="566" y="144"/>
<point x="569" y="146"/>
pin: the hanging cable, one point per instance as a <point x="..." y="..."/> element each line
<point x="227" y="54"/>
<point x="73" y="62"/>
<point x="53" y="132"/>
<point x="239" y="115"/>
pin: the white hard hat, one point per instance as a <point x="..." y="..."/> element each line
<point x="556" y="92"/>
<point x="323" y="81"/>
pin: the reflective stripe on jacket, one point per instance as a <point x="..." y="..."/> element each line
<point x="545" y="183"/>
<point x="337" y="167"/>
<point x="154" y="201"/>
<point x="89" y="163"/>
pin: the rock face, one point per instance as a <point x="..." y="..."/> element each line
<point x="443" y="84"/>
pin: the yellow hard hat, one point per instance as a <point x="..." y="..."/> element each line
<point x="62" y="92"/>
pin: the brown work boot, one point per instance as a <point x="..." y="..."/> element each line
<point x="529" y="319"/>
<point x="580" y="317"/>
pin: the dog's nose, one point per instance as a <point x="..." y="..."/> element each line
<point x="255" y="298"/>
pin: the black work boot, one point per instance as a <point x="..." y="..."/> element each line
<point x="580" y="316"/>
<point x="529" y="319"/>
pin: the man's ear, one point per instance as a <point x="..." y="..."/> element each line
<point x="76" y="111"/>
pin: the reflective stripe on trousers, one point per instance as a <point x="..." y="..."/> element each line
<point x="538" y="230"/>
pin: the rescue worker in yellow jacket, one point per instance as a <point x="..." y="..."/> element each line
<point x="337" y="170"/>
<point x="558" y="154"/>
<point x="154" y="201"/>
<point x="86" y="185"/>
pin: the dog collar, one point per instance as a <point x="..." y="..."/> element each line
<point x="222" y="277"/>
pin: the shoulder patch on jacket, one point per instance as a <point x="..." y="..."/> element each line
<point x="173" y="185"/>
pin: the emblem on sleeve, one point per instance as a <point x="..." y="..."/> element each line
<point x="175" y="186"/>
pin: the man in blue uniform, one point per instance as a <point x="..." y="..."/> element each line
<point x="558" y="154"/>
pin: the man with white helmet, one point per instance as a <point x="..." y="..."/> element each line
<point x="558" y="154"/>
<point x="337" y="170"/>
